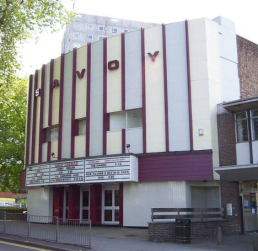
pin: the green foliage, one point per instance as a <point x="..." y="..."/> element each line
<point x="21" y="19"/>
<point x="12" y="133"/>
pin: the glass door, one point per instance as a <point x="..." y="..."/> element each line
<point x="110" y="212"/>
<point x="85" y="204"/>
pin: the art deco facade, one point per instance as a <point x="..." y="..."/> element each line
<point x="129" y="123"/>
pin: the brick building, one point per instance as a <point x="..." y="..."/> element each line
<point x="237" y="132"/>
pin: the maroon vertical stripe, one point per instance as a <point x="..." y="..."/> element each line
<point x="42" y="133"/>
<point x="51" y="80"/>
<point x="28" y="122"/>
<point x="123" y="69"/>
<point x="73" y="127"/>
<point x="61" y="102"/>
<point x="189" y="85"/>
<point x="123" y="140"/>
<point x="105" y="116"/>
<point x="88" y="100"/>
<point x="33" y="138"/>
<point x="165" y="85"/>
<point x="121" y="204"/>
<point x="143" y="93"/>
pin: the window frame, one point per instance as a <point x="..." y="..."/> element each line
<point x="236" y="126"/>
<point x="113" y="29"/>
<point x="49" y="133"/>
<point x="252" y="118"/>
<point x="90" y="27"/>
<point x="101" y="26"/>
<point x="92" y="37"/>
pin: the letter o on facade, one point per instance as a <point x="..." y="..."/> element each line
<point x="113" y="65"/>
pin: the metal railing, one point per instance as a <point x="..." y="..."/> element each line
<point x="192" y="213"/>
<point x="66" y="231"/>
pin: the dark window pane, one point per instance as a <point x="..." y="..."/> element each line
<point x="255" y="129"/>
<point x="117" y="198"/>
<point x="116" y="215"/>
<point x="255" y="113"/>
<point x="242" y="131"/>
<point x="241" y="115"/>
<point x="108" y="198"/>
<point x="85" y="214"/>
<point x="85" y="199"/>
<point x="108" y="215"/>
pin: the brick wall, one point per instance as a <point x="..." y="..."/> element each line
<point x="227" y="156"/>
<point x="247" y="67"/>
<point x="165" y="231"/>
<point x="227" y="139"/>
<point x="230" y="195"/>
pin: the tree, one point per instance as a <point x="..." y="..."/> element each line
<point x="21" y="19"/>
<point x="12" y="132"/>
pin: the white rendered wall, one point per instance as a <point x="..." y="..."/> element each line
<point x="133" y="137"/>
<point x="133" y="70"/>
<point x="243" y="153"/>
<point x="114" y="98"/>
<point x="81" y="84"/>
<point x="154" y="89"/>
<point x="79" y="146"/>
<point x="46" y="95"/>
<point x="67" y="106"/>
<point x="205" y="84"/>
<point x="40" y="201"/>
<point x="56" y="92"/>
<point x="178" y="112"/>
<point x="139" y="198"/>
<point x="114" y="142"/>
<point x="44" y="152"/>
<point x="255" y="152"/>
<point x="37" y="119"/>
<point x="117" y="121"/>
<point x="229" y="60"/>
<point x="96" y="99"/>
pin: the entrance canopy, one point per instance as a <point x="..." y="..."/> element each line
<point x="238" y="173"/>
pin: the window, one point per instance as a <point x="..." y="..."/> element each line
<point x="90" y="26"/>
<point x="82" y="127"/>
<point x="241" y="127"/>
<point x="77" y="26"/>
<point x="101" y="37"/>
<point x="126" y="120"/>
<point x="76" y="35"/>
<point x="254" y="117"/>
<point x="101" y="28"/>
<point x="52" y="133"/>
<point x="125" y="30"/>
<point x="90" y="37"/>
<point x="114" y="30"/>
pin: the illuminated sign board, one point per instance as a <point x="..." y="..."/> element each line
<point x="93" y="170"/>
<point x="37" y="175"/>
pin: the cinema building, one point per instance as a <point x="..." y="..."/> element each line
<point x="129" y="123"/>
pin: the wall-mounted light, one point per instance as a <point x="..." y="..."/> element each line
<point x="201" y="132"/>
<point x="128" y="147"/>
<point x="53" y="155"/>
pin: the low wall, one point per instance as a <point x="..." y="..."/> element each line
<point x="165" y="231"/>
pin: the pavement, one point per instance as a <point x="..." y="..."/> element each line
<point x="136" y="239"/>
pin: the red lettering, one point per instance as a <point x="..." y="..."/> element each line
<point x="153" y="57"/>
<point x="56" y="83"/>
<point x="80" y="74"/>
<point x="113" y="65"/>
